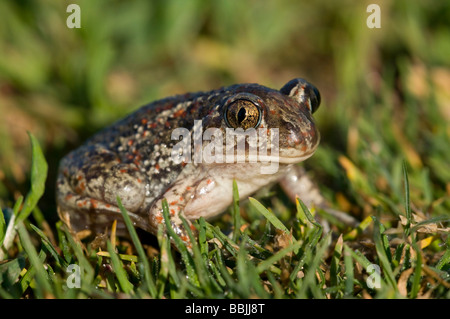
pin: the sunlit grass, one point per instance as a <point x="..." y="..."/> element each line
<point x="301" y="263"/>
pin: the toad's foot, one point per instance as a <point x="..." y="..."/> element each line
<point x="296" y="183"/>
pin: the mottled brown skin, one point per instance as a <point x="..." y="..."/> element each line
<point x="131" y="159"/>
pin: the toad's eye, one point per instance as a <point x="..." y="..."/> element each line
<point x="242" y="113"/>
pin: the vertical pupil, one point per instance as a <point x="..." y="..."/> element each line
<point x="241" y="115"/>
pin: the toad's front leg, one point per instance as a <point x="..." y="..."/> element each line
<point x="175" y="218"/>
<point x="177" y="197"/>
<point x="296" y="183"/>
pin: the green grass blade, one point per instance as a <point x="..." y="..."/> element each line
<point x="86" y="267"/>
<point x="4" y="294"/>
<point x="313" y="239"/>
<point x="29" y="275"/>
<point x="203" y="275"/>
<point x="232" y="285"/>
<point x="247" y="274"/>
<point x="2" y="227"/>
<point x="382" y="254"/>
<point x="269" y="215"/>
<point x="334" y="268"/>
<point x="202" y="239"/>
<point x="48" y="245"/>
<point x="277" y="289"/>
<point x="226" y="242"/>
<point x="63" y="242"/>
<point x="140" y="250"/>
<point x="398" y="254"/>
<point x="444" y="260"/>
<point x="241" y="271"/>
<point x="407" y="202"/>
<point x="121" y="274"/>
<point x="10" y="271"/>
<point x="301" y="215"/>
<point x="236" y="214"/>
<point x="309" y="280"/>
<point x="218" y="276"/>
<point x="348" y="262"/>
<point x="359" y="257"/>
<point x="164" y="269"/>
<point x="306" y="213"/>
<point x="124" y="257"/>
<point x="359" y="229"/>
<point x="10" y="232"/>
<point x="266" y="264"/>
<point x="180" y="245"/>
<point x="39" y="170"/>
<point x="43" y="286"/>
<point x="415" y="286"/>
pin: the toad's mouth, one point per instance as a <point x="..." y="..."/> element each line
<point x="290" y="160"/>
<point x="284" y="156"/>
<point x="292" y="156"/>
<point x="284" y="159"/>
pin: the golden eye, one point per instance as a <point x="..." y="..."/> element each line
<point x="242" y="114"/>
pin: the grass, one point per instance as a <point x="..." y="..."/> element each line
<point x="383" y="157"/>
<point x="302" y="262"/>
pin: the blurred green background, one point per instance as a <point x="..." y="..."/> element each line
<point x="385" y="92"/>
